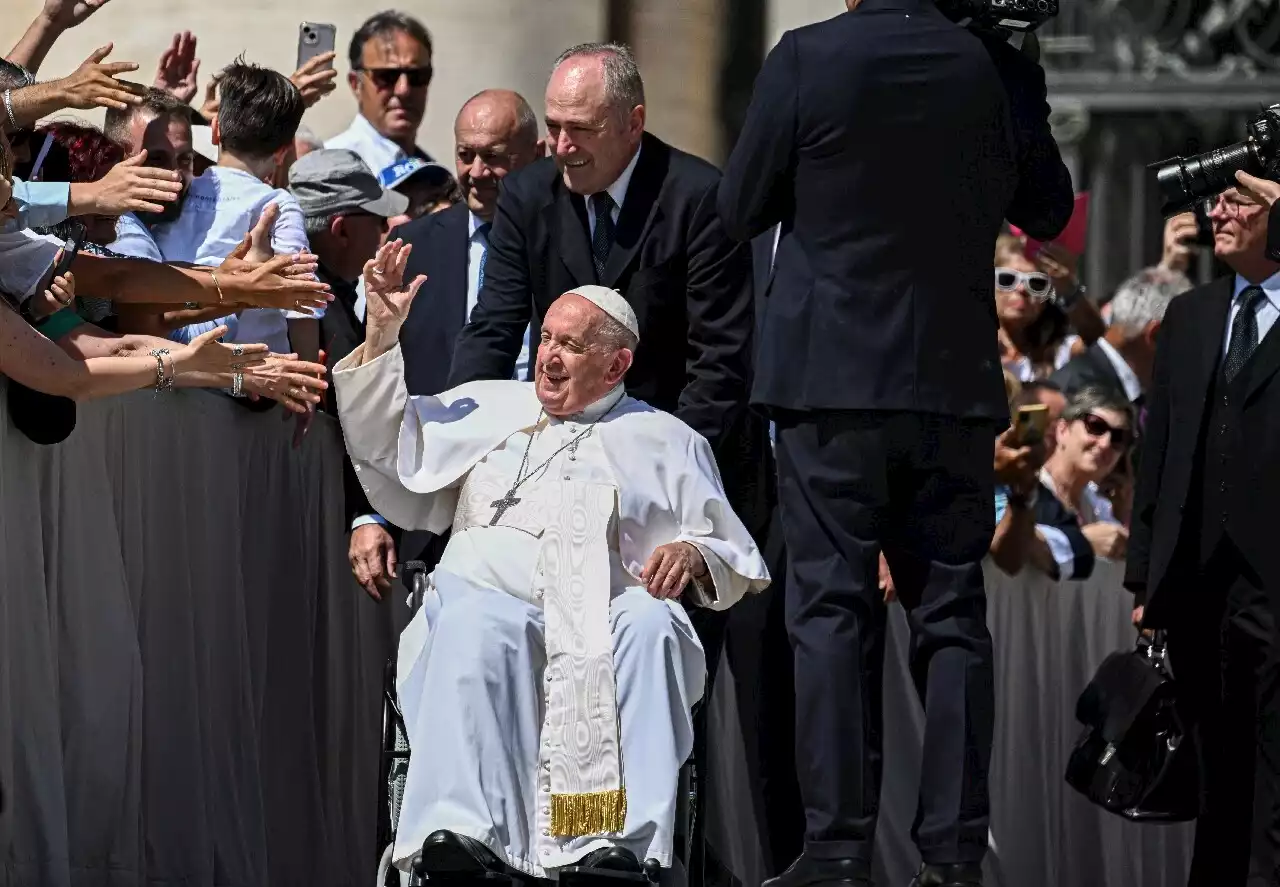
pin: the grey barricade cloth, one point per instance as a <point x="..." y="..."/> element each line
<point x="189" y="677"/>
<point x="1049" y="639"/>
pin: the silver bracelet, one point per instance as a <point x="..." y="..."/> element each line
<point x="237" y="384"/>
<point x="8" y="109"/>
<point x="163" y="382"/>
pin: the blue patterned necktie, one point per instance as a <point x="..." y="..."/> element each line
<point x="1244" y="332"/>
<point x="482" y="237"/>
<point x="602" y="239"/>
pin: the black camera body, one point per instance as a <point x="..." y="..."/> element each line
<point x="1021" y="16"/>
<point x="1185" y="181"/>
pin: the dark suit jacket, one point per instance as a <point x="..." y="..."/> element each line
<point x="1187" y="358"/>
<point x="689" y="284"/>
<point x="890" y="143"/>
<point x="441" y="242"/>
<point x="1090" y="368"/>
<point x="341" y="331"/>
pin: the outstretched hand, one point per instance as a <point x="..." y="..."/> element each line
<point x="387" y="298"/>
<point x="69" y="13"/>
<point x="176" y="73"/>
<point x="97" y="84"/>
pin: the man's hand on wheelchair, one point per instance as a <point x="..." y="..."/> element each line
<point x="671" y="567"/>
<point x="372" y="554"/>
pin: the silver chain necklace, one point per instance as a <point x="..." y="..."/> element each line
<point x="501" y="506"/>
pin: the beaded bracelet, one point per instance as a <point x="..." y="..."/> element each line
<point x="237" y="384"/>
<point x="8" y="109"/>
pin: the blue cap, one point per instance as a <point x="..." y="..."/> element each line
<point x="402" y="171"/>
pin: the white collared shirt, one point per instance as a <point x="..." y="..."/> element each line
<point x="376" y="150"/>
<point x="1128" y="378"/>
<point x="1266" y="312"/>
<point x="477" y="249"/>
<point x="618" y="191"/>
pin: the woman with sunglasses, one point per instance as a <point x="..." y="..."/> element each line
<point x="1033" y="327"/>
<point x="1088" y="472"/>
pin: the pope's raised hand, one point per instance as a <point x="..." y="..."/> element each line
<point x="387" y="298"/>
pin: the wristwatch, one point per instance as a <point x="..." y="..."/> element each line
<point x="1024" y="500"/>
<point x="1067" y="300"/>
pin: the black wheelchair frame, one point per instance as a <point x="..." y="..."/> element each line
<point x="687" y="839"/>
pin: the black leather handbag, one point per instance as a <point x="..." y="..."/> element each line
<point x="1135" y="757"/>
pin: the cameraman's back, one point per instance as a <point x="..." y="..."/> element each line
<point x="885" y="143"/>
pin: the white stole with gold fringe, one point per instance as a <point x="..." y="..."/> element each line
<point x="582" y="728"/>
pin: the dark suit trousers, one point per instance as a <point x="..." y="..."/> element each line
<point x="1224" y="658"/>
<point x="920" y="488"/>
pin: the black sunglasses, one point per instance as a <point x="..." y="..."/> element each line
<point x="387" y="78"/>
<point x="1098" y="427"/>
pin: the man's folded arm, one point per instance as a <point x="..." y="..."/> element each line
<point x="489" y="344"/>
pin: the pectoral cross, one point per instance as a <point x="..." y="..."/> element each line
<point x="506" y="502"/>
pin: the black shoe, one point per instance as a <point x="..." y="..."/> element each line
<point x="612" y="859"/>
<point x="809" y="871"/>
<point x="964" y="874"/>
<point x="445" y="853"/>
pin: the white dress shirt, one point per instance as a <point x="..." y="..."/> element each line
<point x="1128" y="378"/>
<point x="376" y="150"/>
<point x="1266" y="311"/>
<point x="618" y="191"/>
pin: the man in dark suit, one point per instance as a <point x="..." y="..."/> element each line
<point x="495" y="133"/>
<point x="619" y="207"/>
<point x="890" y="143"/>
<point x="1123" y="358"/>
<point x="1203" y="561"/>
<point x="345" y="211"/>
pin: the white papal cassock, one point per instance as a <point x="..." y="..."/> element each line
<point x="546" y="694"/>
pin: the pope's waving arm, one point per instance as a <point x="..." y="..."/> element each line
<point x="372" y="398"/>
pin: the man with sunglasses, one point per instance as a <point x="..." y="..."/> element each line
<point x="1203" y="556"/>
<point x="390" y="57"/>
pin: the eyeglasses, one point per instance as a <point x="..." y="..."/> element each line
<point x="387" y="78"/>
<point x="1099" y="427"/>
<point x="1037" y="283"/>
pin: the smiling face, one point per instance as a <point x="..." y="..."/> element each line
<point x="593" y="139"/>
<point x="1095" y="443"/>
<point x="576" y="366"/>
<point x="490" y="142"/>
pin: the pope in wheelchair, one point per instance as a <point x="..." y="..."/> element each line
<point x="546" y="682"/>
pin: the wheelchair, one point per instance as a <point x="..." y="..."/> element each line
<point x="686" y="848"/>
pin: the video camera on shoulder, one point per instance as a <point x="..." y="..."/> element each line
<point x="1022" y="16"/>
<point x="1186" y="182"/>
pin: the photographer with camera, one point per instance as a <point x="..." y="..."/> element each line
<point x="1202" y="561"/>
<point x="890" y="143"/>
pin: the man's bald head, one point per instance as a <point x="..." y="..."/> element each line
<point x="496" y="132"/>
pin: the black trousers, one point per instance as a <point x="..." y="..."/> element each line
<point x="1224" y="655"/>
<point x="920" y="488"/>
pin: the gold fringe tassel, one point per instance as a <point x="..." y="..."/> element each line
<point x="573" y="816"/>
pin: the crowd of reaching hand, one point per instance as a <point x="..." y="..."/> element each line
<point x="63" y="288"/>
